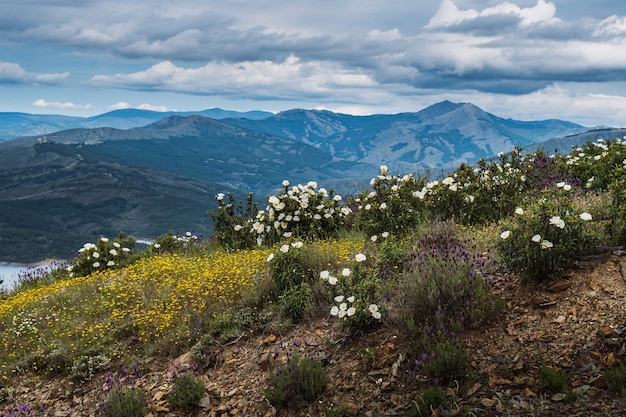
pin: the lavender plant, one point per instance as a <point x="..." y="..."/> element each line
<point x="125" y="402"/>
<point x="299" y="381"/>
<point x="446" y="283"/>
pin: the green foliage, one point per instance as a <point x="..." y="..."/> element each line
<point x="186" y="243"/>
<point x="296" y="383"/>
<point x="105" y="254"/>
<point x="445" y="358"/>
<point x="295" y="300"/>
<point x="231" y="225"/>
<point x="390" y="206"/>
<point x="287" y="267"/>
<point x="390" y="256"/>
<point x="617" y="225"/>
<point x="84" y="368"/>
<point x="186" y="393"/>
<point x="125" y="402"/>
<point x="553" y="379"/>
<point x="428" y="400"/>
<point x="546" y="235"/>
<point x="615" y="377"/>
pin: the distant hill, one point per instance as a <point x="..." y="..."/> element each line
<point x="63" y="188"/>
<point x="58" y="193"/>
<point x="13" y="125"/>
<point x="565" y="144"/>
<point x="443" y="135"/>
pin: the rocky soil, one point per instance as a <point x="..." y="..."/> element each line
<point x="577" y="323"/>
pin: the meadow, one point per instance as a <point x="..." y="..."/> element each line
<point x="413" y="253"/>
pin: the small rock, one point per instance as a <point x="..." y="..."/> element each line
<point x="205" y="401"/>
<point x="266" y="361"/>
<point x="605" y="332"/>
<point x="488" y="402"/>
<point x="559" y="319"/>
<point x="559" y="286"/>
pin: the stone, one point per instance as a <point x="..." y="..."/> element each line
<point x="605" y="331"/>
<point x="266" y="361"/>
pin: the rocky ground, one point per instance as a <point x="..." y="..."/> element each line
<point x="576" y="322"/>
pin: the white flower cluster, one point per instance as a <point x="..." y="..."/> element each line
<point x="99" y="255"/>
<point x="342" y="309"/>
<point x="296" y="208"/>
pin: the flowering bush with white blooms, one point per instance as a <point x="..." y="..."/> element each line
<point x="186" y="242"/>
<point x="286" y="267"/>
<point x="231" y="222"/>
<point x="356" y="294"/>
<point x="391" y="205"/>
<point x="103" y="255"/>
<point x="546" y="235"/>
<point x="301" y="211"/>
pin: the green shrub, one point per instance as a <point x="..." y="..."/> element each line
<point x="615" y="377"/>
<point x="186" y="393"/>
<point x="297" y="382"/>
<point x="445" y="358"/>
<point x="125" y="402"/>
<point x="554" y="380"/>
<point x="390" y="206"/>
<point x="428" y="401"/>
<point x="231" y="225"/>
<point x="287" y="267"/>
<point x="187" y="243"/>
<point x="295" y="300"/>
<point x="546" y="235"/>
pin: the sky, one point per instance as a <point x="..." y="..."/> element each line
<point x="520" y="59"/>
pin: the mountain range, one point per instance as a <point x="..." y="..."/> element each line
<point x="65" y="187"/>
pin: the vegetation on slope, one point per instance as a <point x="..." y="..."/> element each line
<point x="411" y="254"/>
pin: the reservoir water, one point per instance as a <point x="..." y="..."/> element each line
<point x="10" y="272"/>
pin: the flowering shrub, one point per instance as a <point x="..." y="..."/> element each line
<point x="287" y="268"/>
<point x="390" y="206"/>
<point x="104" y="255"/>
<point x="186" y="393"/>
<point x="301" y="211"/>
<point x="171" y="243"/>
<point x="446" y="285"/>
<point x="546" y="235"/>
<point x="356" y="295"/>
<point x="231" y="224"/>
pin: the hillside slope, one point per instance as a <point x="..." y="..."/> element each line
<point x="580" y="327"/>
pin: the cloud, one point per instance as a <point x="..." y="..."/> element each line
<point x="119" y="106"/>
<point x="290" y="79"/>
<point x="152" y="107"/>
<point x="61" y="105"/>
<point x="11" y="73"/>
